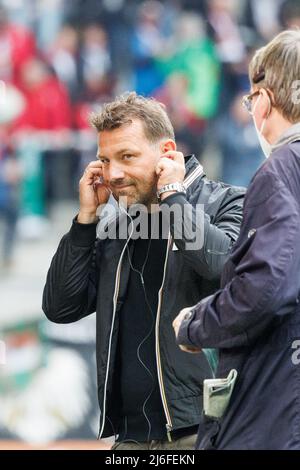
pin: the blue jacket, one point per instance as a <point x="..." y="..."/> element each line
<point x="254" y="320"/>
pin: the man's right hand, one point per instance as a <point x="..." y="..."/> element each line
<point x="92" y="193"/>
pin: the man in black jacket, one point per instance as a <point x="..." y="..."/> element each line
<point x="161" y="248"/>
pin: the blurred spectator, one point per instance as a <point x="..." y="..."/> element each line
<point x="44" y="17"/>
<point x="233" y="43"/>
<point x="98" y="86"/>
<point x="117" y="18"/>
<point x="194" y="5"/>
<point x="64" y="55"/>
<point x="50" y="16"/>
<point x="95" y="93"/>
<point x="263" y="17"/>
<point x="290" y="14"/>
<point x="22" y="12"/>
<point x="95" y="55"/>
<point x="48" y="106"/>
<point x="17" y="45"/>
<point x="82" y="12"/>
<point x="222" y="18"/>
<point x="98" y="89"/>
<point x="188" y="127"/>
<point x="11" y="105"/>
<point x="240" y="149"/>
<point x="148" y="41"/>
<point x="48" y="110"/>
<point x="10" y="176"/>
<point x="195" y="58"/>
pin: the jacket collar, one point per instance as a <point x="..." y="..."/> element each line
<point x="191" y="163"/>
<point x="290" y="135"/>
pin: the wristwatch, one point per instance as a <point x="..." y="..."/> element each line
<point x="178" y="187"/>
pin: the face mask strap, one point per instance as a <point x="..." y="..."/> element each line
<point x="263" y="125"/>
<point x="255" y="106"/>
<point x="269" y="112"/>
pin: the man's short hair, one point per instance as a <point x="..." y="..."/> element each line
<point x="277" y="67"/>
<point x="129" y="106"/>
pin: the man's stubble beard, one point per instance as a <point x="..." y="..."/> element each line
<point x="145" y="198"/>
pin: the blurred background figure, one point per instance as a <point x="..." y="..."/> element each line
<point x="290" y="14"/>
<point x="95" y="56"/>
<point x="47" y="101"/>
<point x="62" y="59"/>
<point x="49" y="18"/>
<point x="195" y="57"/>
<point x="17" y="45"/>
<point x="223" y="16"/>
<point x="240" y="149"/>
<point x="263" y="16"/>
<point x="42" y="131"/>
<point x="191" y="70"/>
<point x="10" y="177"/>
<point x="148" y="40"/>
<point x="64" y="56"/>
<point x="188" y="126"/>
<point x="12" y="104"/>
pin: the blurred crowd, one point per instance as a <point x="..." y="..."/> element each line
<point x="61" y="59"/>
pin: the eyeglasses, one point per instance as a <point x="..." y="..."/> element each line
<point x="247" y="101"/>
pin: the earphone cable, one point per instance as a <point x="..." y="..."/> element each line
<point x="141" y="274"/>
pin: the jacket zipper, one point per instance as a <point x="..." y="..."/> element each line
<point x="116" y="293"/>
<point x="169" y="425"/>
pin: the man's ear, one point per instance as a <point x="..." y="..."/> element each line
<point x="168" y="146"/>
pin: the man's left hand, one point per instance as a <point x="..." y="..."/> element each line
<point x="170" y="169"/>
<point x="176" y="325"/>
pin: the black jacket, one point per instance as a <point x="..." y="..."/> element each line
<point x="88" y="274"/>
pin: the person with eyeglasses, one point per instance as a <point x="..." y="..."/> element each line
<point x="254" y="319"/>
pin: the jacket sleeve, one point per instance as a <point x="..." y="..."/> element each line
<point x="70" y="289"/>
<point x="266" y="284"/>
<point x="205" y="244"/>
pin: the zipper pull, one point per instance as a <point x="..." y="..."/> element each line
<point x="169" y="429"/>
